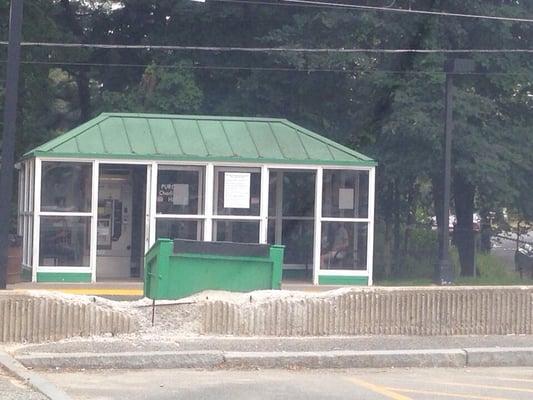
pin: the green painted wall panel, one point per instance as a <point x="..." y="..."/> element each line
<point x="67" y="147"/>
<point x="139" y="135"/>
<point x="165" y="137"/>
<point x="215" y="138"/>
<point x="191" y="140"/>
<point x="239" y="139"/>
<point x="25" y="274"/>
<point x="114" y="136"/>
<point x="265" y="140"/>
<point x="289" y="141"/>
<point x="90" y="141"/>
<point x="343" y="280"/>
<point x="63" y="277"/>
<point x="316" y="150"/>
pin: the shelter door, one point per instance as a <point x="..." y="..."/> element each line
<point x="120" y="227"/>
<point x="291" y="219"/>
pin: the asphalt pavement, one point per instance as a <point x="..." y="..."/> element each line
<point x="376" y="384"/>
<point x="504" y="247"/>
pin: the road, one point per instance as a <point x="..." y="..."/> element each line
<point x="383" y="384"/>
<point x="504" y="249"/>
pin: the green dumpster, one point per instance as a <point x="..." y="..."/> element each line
<point x="178" y="268"/>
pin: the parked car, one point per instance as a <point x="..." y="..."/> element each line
<point x="523" y="259"/>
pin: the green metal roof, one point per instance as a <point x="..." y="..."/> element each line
<point x="194" y="138"/>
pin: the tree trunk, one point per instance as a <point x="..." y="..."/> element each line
<point x="463" y="232"/>
<point x="397" y="231"/>
<point x="485" y="231"/>
<point x="84" y="96"/>
<point x="437" y="192"/>
<point x="82" y="80"/>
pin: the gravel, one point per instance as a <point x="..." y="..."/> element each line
<point x="13" y="389"/>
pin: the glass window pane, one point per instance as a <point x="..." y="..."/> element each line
<point x="297" y="195"/>
<point x="179" y="229"/>
<point x="66" y="186"/>
<point x="180" y="190"/>
<point x="345" y="194"/>
<point x="29" y="241"/>
<point x="297" y="236"/>
<point x="64" y="241"/>
<point x="31" y="185"/>
<point x="237" y="191"/>
<point x="343" y="245"/>
<point x="236" y="231"/>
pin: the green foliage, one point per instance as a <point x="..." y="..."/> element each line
<point x="159" y="91"/>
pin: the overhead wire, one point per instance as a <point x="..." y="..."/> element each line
<point x="263" y="49"/>
<point x="254" y="68"/>
<point x="324" y="4"/>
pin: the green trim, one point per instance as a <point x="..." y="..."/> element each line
<point x="343" y="280"/>
<point x="300" y="274"/>
<point x="63" y="277"/>
<point x="163" y="157"/>
<point x="25" y="274"/>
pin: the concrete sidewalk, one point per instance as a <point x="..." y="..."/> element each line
<point x="133" y="289"/>
<point x="249" y="353"/>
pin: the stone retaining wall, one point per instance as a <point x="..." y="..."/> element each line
<point x="384" y="311"/>
<point x="25" y="318"/>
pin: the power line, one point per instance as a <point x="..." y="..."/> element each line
<point x="323" y="4"/>
<point x="280" y="69"/>
<point x="264" y="49"/>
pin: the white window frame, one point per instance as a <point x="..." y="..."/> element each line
<point x="369" y="220"/>
<point x="202" y="189"/>
<point x="208" y="216"/>
<point x="263" y="173"/>
<point x="92" y="215"/>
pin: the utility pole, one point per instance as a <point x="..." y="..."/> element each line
<point x="8" y="137"/>
<point x="444" y="266"/>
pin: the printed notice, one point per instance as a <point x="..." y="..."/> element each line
<point x="345" y="199"/>
<point x="236" y="190"/>
<point x="180" y="195"/>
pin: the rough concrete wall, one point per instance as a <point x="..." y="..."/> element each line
<point x="383" y="311"/>
<point x="34" y="319"/>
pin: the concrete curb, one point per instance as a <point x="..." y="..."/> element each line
<point x="31" y="378"/>
<point x="455" y="358"/>
<point x="347" y="359"/>
<point x="501" y="357"/>
<point x="125" y="360"/>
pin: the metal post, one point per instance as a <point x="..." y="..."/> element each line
<point x="8" y="138"/>
<point x="445" y="270"/>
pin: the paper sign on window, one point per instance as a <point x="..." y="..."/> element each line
<point x="180" y="195"/>
<point x="346" y="199"/>
<point x="236" y="190"/>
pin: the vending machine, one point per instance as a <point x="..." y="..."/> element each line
<point x="114" y="231"/>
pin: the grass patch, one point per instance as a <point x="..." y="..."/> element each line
<point x="491" y="272"/>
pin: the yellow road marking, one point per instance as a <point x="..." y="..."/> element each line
<point x="443" y="394"/>
<point x="97" y="292"/>
<point x="387" y="392"/>
<point x="502" y="379"/>
<point x="473" y="385"/>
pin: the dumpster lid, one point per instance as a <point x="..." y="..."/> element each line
<point x="221" y="248"/>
